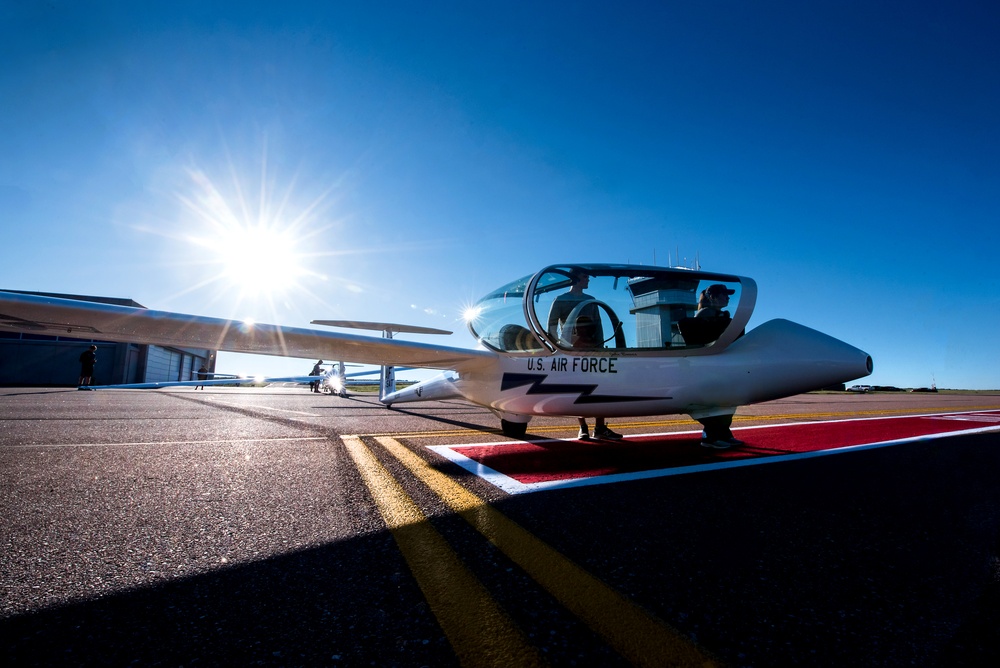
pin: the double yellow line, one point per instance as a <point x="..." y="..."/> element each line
<point x="480" y="632"/>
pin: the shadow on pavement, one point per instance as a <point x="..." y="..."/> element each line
<point x="352" y="602"/>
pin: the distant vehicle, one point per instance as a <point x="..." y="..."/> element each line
<point x="863" y="389"/>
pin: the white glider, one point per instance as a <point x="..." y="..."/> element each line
<point x="632" y="341"/>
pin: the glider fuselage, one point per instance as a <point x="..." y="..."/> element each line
<point x="635" y="341"/>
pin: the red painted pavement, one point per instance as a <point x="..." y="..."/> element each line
<point x="546" y="461"/>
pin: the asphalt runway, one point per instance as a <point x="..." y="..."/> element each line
<point x="279" y="527"/>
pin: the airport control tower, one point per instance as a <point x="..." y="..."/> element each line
<point x="659" y="306"/>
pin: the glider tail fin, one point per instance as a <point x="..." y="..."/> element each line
<point x="387" y="382"/>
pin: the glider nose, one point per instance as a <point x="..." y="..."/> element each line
<point x="784" y="358"/>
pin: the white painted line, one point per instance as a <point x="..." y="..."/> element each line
<point x="225" y="441"/>
<point x="970" y="417"/>
<point x="266" y="408"/>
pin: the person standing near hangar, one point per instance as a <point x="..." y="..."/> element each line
<point x="88" y="358"/>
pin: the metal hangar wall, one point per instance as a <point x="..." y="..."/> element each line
<point x="43" y="360"/>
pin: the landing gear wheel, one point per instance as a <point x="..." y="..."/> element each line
<point x="514" y="429"/>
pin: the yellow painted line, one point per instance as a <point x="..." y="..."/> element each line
<point x="634" y="633"/>
<point x="540" y="429"/>
<point x="881" y="412"/>
<point x="479" y="631"/>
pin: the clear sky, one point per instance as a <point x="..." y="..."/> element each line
<point x="398" y="160"/>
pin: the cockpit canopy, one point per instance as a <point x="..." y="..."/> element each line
<point x="599" y="307"/>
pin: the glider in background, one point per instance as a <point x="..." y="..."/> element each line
<point x="333" y="381"/>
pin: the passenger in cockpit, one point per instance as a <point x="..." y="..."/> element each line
<point x="711" y="319"/>
<point x="712" y="302"/>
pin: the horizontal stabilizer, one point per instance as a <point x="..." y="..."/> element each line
<point x="391" y="327"/>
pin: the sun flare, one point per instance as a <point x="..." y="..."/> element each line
<point x="251" y="248"/>
<point x="260" y="260"/>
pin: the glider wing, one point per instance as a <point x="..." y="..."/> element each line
<point x="107" y="322"/>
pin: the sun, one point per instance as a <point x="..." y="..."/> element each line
<point x="252" y="247"/>
<point x="260" y="260"/>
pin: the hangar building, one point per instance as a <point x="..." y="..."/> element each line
<point x="44" y="360"/>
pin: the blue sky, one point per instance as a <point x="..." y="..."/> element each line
<point x="409" y="157"/>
